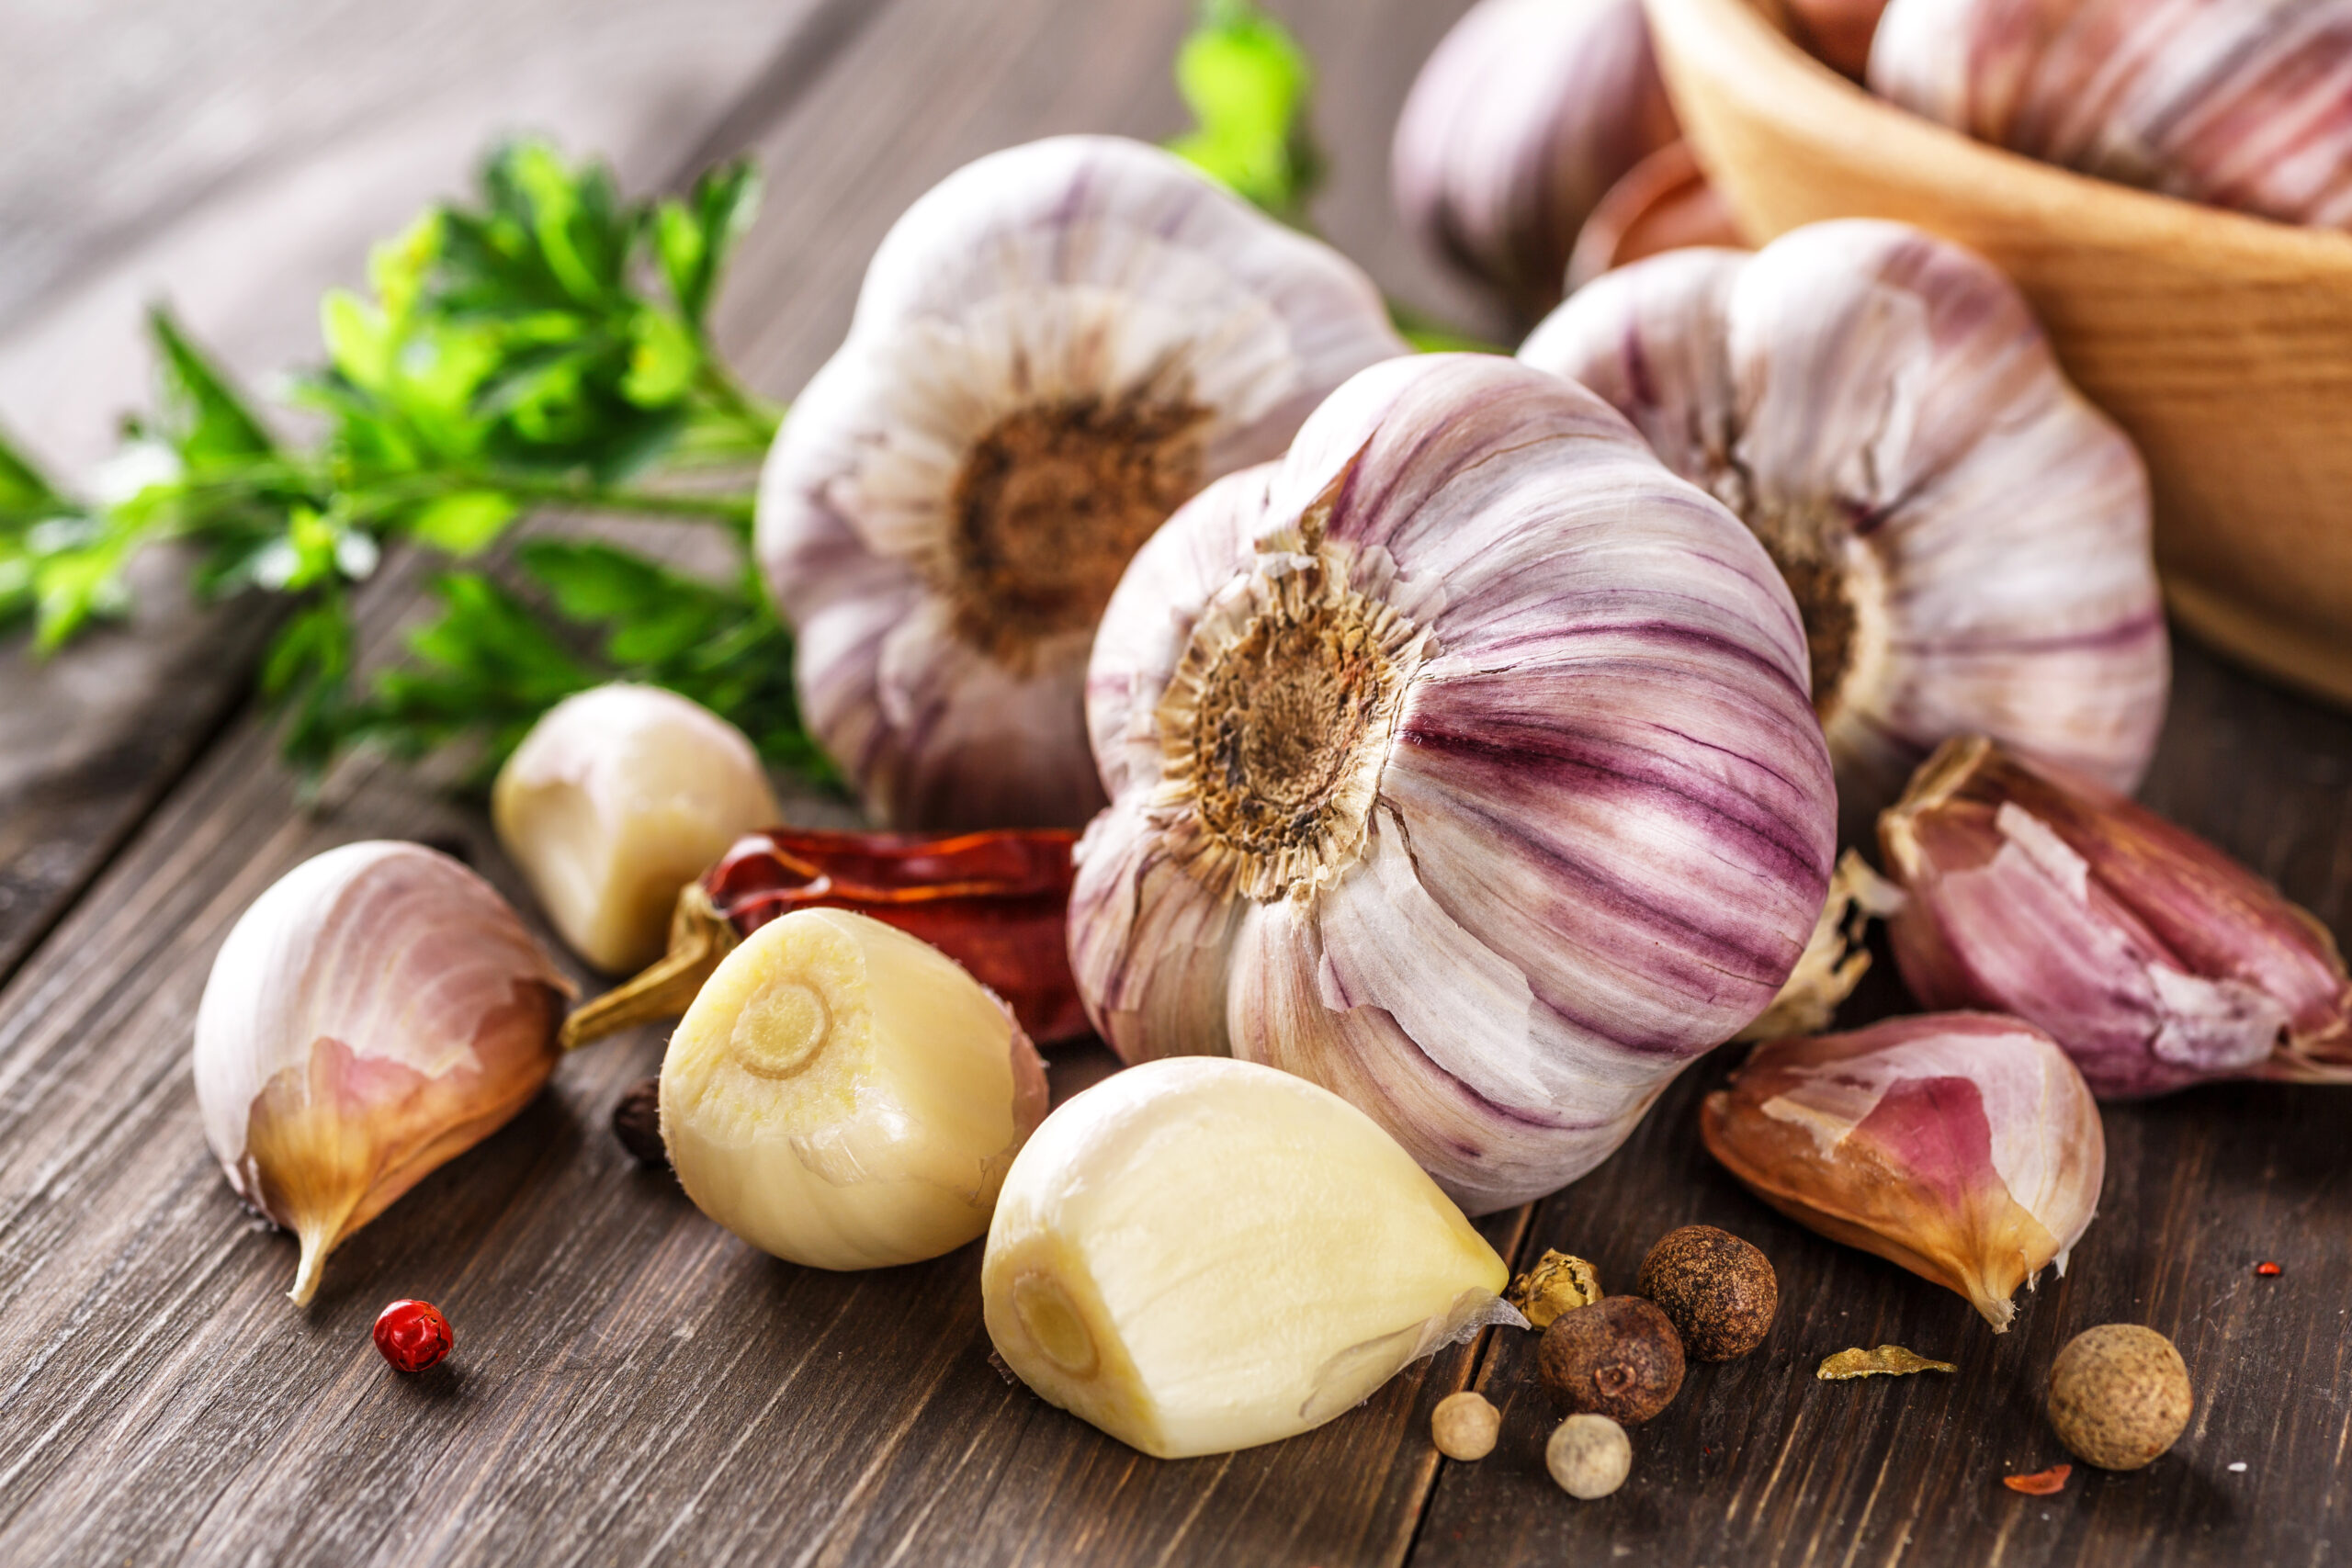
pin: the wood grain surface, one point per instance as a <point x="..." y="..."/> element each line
<point x="631" y="1385"/>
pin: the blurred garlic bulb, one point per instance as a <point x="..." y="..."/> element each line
<point x="845" y="1095"/>
<point x="1963" y="1147"/>
<point x="1202" y="1255"/>
<point x="617" y="798"/>
<point x="375" y="1014"/>
<point x="1966" y="536"/>
<point x="2244" y="104"/>
<point x="2154" y="958"/>
<point x="1523" y="117"/>
<point x="1053" y="349"/>
<point x="1460" y="763"/>
<point x="1836" y="32"/>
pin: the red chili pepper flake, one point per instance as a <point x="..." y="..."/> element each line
<point x="2267" y="1269"/>
<point x="2041" y="1483"/>
<point x="413" y="1334"/>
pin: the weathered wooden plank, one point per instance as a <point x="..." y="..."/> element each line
<point x="1759" y="1464"/>
<point x="237" y="160"/>
<point x="630" y="1382"/>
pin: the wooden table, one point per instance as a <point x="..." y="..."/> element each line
<point x="631" y="1385"/>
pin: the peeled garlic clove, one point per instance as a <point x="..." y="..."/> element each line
<point x="376" y="1013"/>
<point x="1963" y="1147"/>
<point x="1462" y="763"/>
<point x="1055" y="348"/>
<point x="1967" y="539"/>
<point x="617" y="798"/>
<point x="2233" y="103"/>
<point x="1523" y="117"/>
<point x="1200" y="1256"/>
<point x="2154" y="958"/>
<point x="844" y="1096"/>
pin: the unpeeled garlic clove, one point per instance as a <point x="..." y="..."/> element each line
<point x="1963" y="1147"/>
<point x="1966" y="536"/>
<point x="1202" y="1255"/>
<point x="376" y="1013"/>
<point x="2234" y="103"/>
<point x="617" y="798"/>
<point x="844" y="1096"/>
<point x="1053" y="349"/>
<point x="2155" y="960"/>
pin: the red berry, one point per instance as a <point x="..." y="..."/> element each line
<point x="413" y="1335"/>
<point x="2266" y="1270"/>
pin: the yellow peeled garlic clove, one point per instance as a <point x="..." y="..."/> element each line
<point x="1199" y="1255"/>
<point x="845" y="1095"/>
<point x="617" y="798"/>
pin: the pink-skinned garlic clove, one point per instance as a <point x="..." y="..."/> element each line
<point x="2155" y="960"/>
<point x="373" y="1015"/>
<point x="1963" y="1147"/>
<point x="1524" y="117"/>
<point x="1966" y="536"/>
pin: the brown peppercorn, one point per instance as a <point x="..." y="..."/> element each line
<point x="637" y="1122"/>
<point x="2119" y="1395"/>
<point x="1618" y="1358"/>
<point x="1718" y="1291"/>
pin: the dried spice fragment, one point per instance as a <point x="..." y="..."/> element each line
<point x="1557" y="1284"/>
<point x="2041" y="1483"/>
<point x="2267" y="1271"/>
<point x="1892" y="1361"/>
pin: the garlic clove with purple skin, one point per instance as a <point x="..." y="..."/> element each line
<point x="1967" y="537"/>
<point x="1963" y="1147"/>
<point x="2238" y="104"/>
<point x="373" y="1015"/>
<point x="1461" y="764"/>
<point x="2152" y="957"/>
<point x="1053" y="349"/>
<point x="617" y="798"/>
<point x="1524" y="117"/>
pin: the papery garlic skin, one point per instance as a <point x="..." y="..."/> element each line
<point x="844" y="1096"/>
<point x="1963" y="1147"/>
<point x="2242" y="103"/>
<point x="1198" y="1255"/>
<point x="1461" y="762"/>
<point x="1053" y="349"/>
<point x="617" y="798"/>
<point x="1523" y="117"/>
<point x="2152" y="957"/>
<point x="377" y="1012"/>
<point x="1967" y="537"/>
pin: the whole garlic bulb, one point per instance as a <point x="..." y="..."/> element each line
<point x="845" y="1095"/>
<point x="1053" y="349"/>
<point x="1963" y="1147"/>
<point x="1460" y="763"/>
<point x="376" y="1013"/>
<point x="617" y="798"/>
<point x="2240" y="104"/>
<point x="1966" y="536"/>
<point x="1523" y="117"/>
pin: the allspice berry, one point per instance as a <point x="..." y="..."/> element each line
<point x="1718" y="1291"/>
<point x="637" y="1122"/>
<point x="1618" y="1358"/>
<point x="2119" y="1395"/>
<point x="1465" y="1425"/>
<point x="1589" y="1456"/>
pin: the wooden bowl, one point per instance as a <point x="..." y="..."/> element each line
<point x="2223" y="343"/>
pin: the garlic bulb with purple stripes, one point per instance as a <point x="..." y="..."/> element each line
<point x="1966" y="536"/>
<point x="1461" y="762"/>
<point x="1053" y="349"/>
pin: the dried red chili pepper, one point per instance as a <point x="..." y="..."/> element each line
<point x="2041" y="1483"/>
<point x="995" y="902"/>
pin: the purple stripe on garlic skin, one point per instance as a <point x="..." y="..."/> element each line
<point x="1053" y="348"/>
<point x="1461" y="761"/>
<point x="2242" y="104"/>
<point x="1525" y="115"/>
<point x="1968" y="538"/>
<point x="2154" y="959"/>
